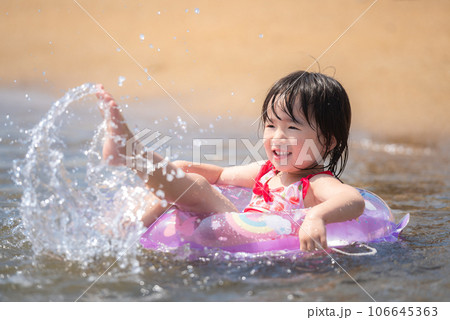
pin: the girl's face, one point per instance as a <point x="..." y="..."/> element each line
<point x="291" y="146"/>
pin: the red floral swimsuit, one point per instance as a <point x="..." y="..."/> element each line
<point x="287" y="198"/>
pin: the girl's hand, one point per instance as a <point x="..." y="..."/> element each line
<point x="312" y="234"/>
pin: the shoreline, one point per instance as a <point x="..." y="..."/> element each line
<point x="32" y="104"/>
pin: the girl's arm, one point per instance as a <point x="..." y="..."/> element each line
<point x="208" y="171"/>
<point x="330" y="201"/>
<point x="241" y="176"/>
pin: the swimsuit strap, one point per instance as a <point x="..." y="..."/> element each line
<point x="305" y="181"/>
<point x="268" y="166"/>
<point x="261" y="189"/>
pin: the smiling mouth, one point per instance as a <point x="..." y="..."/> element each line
<point x="280" y="154"/>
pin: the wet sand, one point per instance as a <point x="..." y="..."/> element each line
<point x="222" y="59"/>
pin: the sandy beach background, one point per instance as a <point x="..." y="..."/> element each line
<point x="220" y="57"/>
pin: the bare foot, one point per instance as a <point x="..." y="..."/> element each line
<point x="114" y="150"/>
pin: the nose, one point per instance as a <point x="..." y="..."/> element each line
<point x="278" y="138"/>
<point x="279" y="134"/>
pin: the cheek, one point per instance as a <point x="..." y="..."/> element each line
<point x="295" y="149"/>
<point x="267" y="146"/>
<point x="267" y="143"/>
<point x="266" y="137"/>
<point x="320" y="147"/>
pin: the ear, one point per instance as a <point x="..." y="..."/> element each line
<point x="333" y="143"/>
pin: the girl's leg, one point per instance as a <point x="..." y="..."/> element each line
<point x="117" y="130"/>
<point x="191" y="192"/>
<point x="153" y="209"/>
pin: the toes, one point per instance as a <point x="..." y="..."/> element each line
<point x="100" y="92"/>
<point x="109" y="100"/>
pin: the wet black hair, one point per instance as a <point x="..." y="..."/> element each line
<point x="324" y="103"/>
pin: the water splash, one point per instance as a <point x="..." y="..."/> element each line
<point x="79" y="218"/>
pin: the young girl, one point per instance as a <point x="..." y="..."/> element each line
<point x="306" y="119"/>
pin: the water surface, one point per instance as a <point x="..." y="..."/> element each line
<point x="53" y="246"/>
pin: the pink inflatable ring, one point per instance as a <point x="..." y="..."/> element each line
<point x="255" y="232"/>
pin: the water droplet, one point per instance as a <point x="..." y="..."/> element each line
<point x="159" y="12"/>
<point x="144" y="291"/>
<point x="49" y="42"/>
<point x="157" y="288"/>
<point x="252" y="100"/>
<point x="261" y="35"/>
<point x="218" y="118"/>
<point x="121" y="80"/>
<point x="151" y="46"/>
<point x="43" y="73"/>
<point x="180" y="173"/>
<point x="187" y="10"/>
<point x="232" y="93"/>
<point x="211" y="126"/>
<point x="159" y="49"/>
<point x="160" y="194"/>
<point x="187" y="30"/>
<point x="142" y="37"/>
<point x="197" y="10"/>
<point x="174" y="38"/>
<point x="118" y="49"/>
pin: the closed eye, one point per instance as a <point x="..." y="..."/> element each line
<point x="294" y="128"/>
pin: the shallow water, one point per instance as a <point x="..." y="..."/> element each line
<point x="71" y="246"/>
